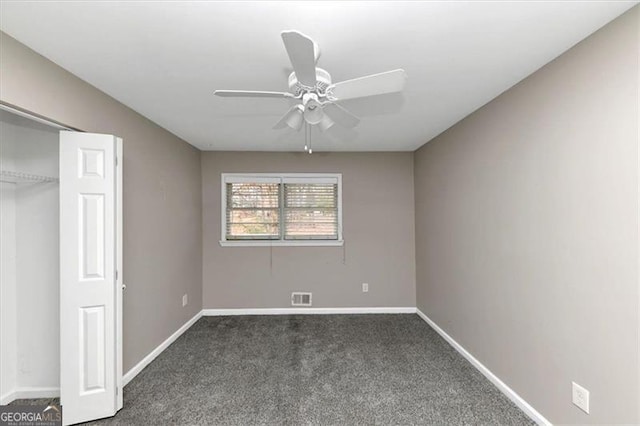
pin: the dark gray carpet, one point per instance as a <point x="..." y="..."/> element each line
<point x="321" y="370"/>
<point x="38" y="401"/>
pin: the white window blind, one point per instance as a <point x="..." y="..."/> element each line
<point x="253" y="211"/>
<point x="281" y="209"/>
<point x="310" y="211"/>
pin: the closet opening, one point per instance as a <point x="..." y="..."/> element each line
<point x="61" y="267"/>
<point x="29" y="258"/>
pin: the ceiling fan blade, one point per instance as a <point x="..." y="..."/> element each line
<point x="341" y="115"/>
<point x="376" y="84"/>
<point x="293" y="118"/>
<point x="302" y="54"/>
<point x="251" y="94"/>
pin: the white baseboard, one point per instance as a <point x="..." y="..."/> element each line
<point x="29" y="393"/>
<point x="510" y="393"/>
<point x="136" y="369"/>
<point x="7" y="397"/>
<point x="307" y="311"/>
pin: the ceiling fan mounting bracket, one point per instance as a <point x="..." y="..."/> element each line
<point x="323" y="81"/>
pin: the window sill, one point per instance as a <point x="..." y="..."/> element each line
<point x="280" y="243"/>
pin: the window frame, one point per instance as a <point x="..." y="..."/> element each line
<point x="266" y="177"/>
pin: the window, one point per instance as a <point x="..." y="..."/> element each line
<point x="281" y="209"/>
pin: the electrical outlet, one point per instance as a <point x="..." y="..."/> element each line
<point x="185" y="300"/>
<point x="580" y="397"/>
<point x="365" y="287"/>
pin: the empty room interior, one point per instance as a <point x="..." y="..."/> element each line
<point x="327" y="213"/>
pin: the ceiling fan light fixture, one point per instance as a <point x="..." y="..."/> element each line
<point x="313" y="112"/>
<point x="295" y="120"/>
<point x="326" y="123"/>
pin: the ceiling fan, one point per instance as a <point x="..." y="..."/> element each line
<point x="314" y="89"/>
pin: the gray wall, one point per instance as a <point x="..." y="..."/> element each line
<point x="162" y="196"/>
<point x="378" y="228"/>
<point x="527" y="231"/>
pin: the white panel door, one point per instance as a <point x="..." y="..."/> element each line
<point x="89" y="286"/>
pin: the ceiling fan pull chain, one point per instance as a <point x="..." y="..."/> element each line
<point x="310" y="151"/>
<point x="306" y="143"/>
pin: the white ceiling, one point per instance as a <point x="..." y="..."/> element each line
<point x="164" y="59"/>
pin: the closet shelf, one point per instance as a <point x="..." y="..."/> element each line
<point x="19" y="177"/>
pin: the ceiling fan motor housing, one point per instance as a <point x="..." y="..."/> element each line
<point x="323" y="80"/>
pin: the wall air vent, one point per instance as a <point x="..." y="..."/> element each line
<point x="300" y="299"/>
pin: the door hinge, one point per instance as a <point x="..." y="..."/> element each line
<point x="116" y="275"/>
<point x="116" y="161"/>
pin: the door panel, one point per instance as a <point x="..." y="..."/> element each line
<point x="92" y="338"/>
<point x="88" y="284"/>
<point x="92" y="230"/>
